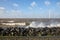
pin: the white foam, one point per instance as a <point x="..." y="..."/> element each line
<point x="41" y="25"/>
<point x="35" y="24"/>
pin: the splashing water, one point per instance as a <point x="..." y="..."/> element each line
<point x="35" y="24"/>
<point x="41" y="25"/>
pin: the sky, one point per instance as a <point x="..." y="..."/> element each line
<point x="29" y="8"/>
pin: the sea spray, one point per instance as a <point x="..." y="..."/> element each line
<point x="37" y="24"/>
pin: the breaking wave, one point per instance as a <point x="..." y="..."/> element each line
<point x="35" y="24"/>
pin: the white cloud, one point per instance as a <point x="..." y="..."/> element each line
<point x="15" y="4"/>
<point x="58" y="4"/>
<point x="2" y="8"/>
<point x="16" y="12"/>
<point x="7" y="11"/>
<point x="12" y="13"/>
<point x="33" y="4"/>
<point x="47" y="3"/>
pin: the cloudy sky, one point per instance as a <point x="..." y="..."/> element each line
<point x="29" y="8"/>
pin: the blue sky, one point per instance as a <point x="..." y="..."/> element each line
<point x="29" y="8"/>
